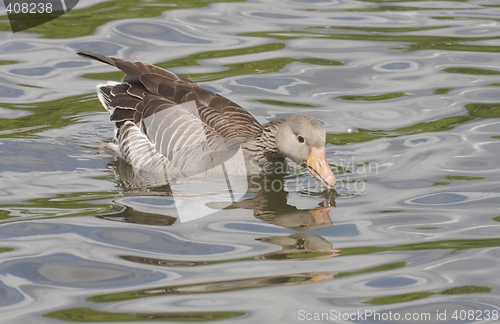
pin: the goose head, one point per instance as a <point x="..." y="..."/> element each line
<point x="302" y="139"/>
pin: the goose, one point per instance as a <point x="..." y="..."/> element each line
<point x="169" y="124"/>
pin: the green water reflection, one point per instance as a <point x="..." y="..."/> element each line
<point x="232" y="285"/>
<point x="461" y="177"/>
<point x="475" y="111"/>
<point x="230" y="70"/>
<point x="456" y="177"/>
<point x="466" y="70"/>
<point x="415" y="42"/>
<point x="216" y="287"/>
<point x="402" y="298"/>
<point x="47" y="115"/>
<point x="4" y="62"/>
<point x="384" y="267"/>
<point x="442" y="91"/>
<point x="85" y="314"/>
<point x="83" y="22"/>
<point x="385" y="96"/>
<point x="380" y="29"/>
<point x="402" y="8"/>
<point x="192" y="60"/>
<point x="455" y="245"/>
<point x="257" y="67"/>
<point x="62" y="205"/>
<point x="285" y="103"/>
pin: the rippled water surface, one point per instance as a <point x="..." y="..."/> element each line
<point x="408" y="94"/>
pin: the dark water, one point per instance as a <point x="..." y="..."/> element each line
<point x="408" y="93"/>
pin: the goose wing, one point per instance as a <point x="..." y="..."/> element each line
<point x="145" y="86"/>
<point x="167" y="123"/>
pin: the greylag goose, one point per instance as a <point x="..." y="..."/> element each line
<point x="169" y="124"/>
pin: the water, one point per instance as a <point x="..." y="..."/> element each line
<point x="408" y="93"/>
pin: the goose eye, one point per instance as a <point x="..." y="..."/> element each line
<point x="300" y="139"/>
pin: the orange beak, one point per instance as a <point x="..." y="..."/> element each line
<point x="319" y="168"/>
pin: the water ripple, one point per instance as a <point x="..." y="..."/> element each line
<point x="406" y="91"/>
<point x="396" y="66"/>
<point x="156" y="31"/>
<point x="155" y="242"/>
<point x="9" y="295"/>
<point x="70" y="271"/>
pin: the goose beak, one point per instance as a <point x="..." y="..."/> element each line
<point x="321" y="216"/>
<point x="319" y="168"/>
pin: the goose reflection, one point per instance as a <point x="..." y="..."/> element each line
<point x="270" y="206"/>
<point x="300" y="246"/>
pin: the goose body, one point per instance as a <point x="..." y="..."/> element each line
<point x="170" y="125"/>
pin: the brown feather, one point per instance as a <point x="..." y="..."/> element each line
<point x="153" y="85"/>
